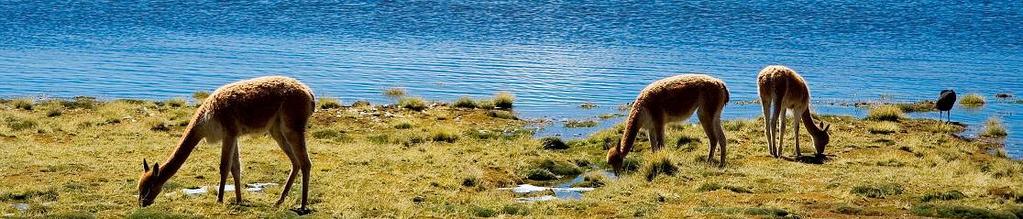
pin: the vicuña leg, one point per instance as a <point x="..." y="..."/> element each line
<point x="296" y="139"/>
<point x="764" y="102"/>
<point x="722" y="141"/>
<point x="226" y="156"/>
<point x="774" y="125"/>
<point x="781" y="131"/>
<point x="236" y="172"/>
<point x="283" y="143"/>
<point x="707" y="121"/>
<point x="657" y="134"/>
<point x="795" y="129"/>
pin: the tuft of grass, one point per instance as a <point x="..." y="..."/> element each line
<point x="515" y="209"/>
<point x="20" y="123"/>
<point x="465" y="102"/>
<point x="770" y="212"/>
<point x="444" y="135"/>
<point x="973" y="100"/>
<point x="177" y="102"/>
<point x="412" y="103"/>
<point x="885" y="113"/>
<point x="403" y="125"/>
<point x="712" y="186"/>
<point x="80" y="102"/>
<point x="504" y="100"/>
<point x="559" y="167"/>
<point x="854" y="210"/>
<point x="329" y="103"/>
<point x="22" y="103"/>
<point x="878" y="191"/>
<point x="593" y="180"/>
<point x="943" y="196"/>
<point x="483" y="212"/>
<point x="486" y="104"/>
<point x="502" y="114"/>
<point x="958" y="211"/>
<point x="580" y="123"/>
<point x="395" y="92"/>
<point x="588" y="105"/>
<point x="55" y="112"/>
<point x="24" y="196"/>
<point x="553" y="143"/>
<point x="200" y="96"/>
<point x="884" y="127"/>
<point x="331" y="134"/>
<point x="659" y="165"/>
<point x="361" y="103"/>
<point x="994" y="128"/>
<point x="607" y="116"/>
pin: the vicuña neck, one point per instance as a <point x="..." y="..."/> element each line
<point x="810" y="126"/>
<point x="187" y="143"/>
<point x="631" y="129"/>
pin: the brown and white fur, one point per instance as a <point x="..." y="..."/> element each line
<point x="781" y="89"/>
<point x="674" y="99"/>
<point x="277" y="104"/>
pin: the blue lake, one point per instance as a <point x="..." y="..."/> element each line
<point x="553" y="55"/>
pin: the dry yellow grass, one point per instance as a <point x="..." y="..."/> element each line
<point x="449" y="163"/>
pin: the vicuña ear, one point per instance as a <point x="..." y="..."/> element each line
<point x="827" y="128"/>
<point x="145" y="165"/>
<point x="156" y="169"/>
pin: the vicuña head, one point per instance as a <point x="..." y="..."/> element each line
<point x="148" y="188"/>
<point x="275" y="104"/>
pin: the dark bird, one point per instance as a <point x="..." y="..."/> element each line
<point x="945" y="103"/>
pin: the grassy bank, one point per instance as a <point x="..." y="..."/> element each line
<point x="81" y="158"/>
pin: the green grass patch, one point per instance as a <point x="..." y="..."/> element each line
<point x="580" y="123"/>
<point x="558" y="167"/>
<point x="885" y="113"/>
<point x="503" y="114"/>
<point x="553" y="143"/>
<point x="444" y="135"/>
<point x="884" y="127"/>
<point x="588" y="105"/>
<point x="878" y="191"/>
<point x="412" y="103"/>
<point x="958" y="211"/>
<point x="403" y="125"/>
<point x="713" y="186"/>
<point x="150" y="213"/>
<point x="943" y="196"/>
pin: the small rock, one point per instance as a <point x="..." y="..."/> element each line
<point x="418" y="199"/>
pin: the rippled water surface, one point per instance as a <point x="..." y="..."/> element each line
<point x="552" y="55"/>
